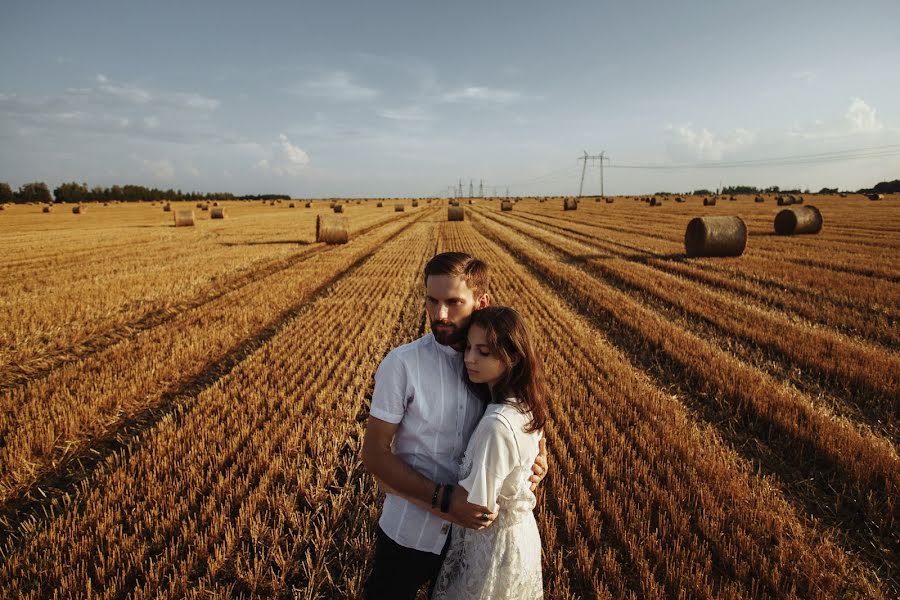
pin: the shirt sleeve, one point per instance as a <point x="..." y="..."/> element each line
<point x="390" y="396"/>
<point x="494" y="456"/>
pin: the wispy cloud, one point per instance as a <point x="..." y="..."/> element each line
<point x="286" y="159"/>
<point x="408" y="113"/>
<point x="337" y="85"/>
<point x="159" y="169"/>
<point x="481" y="95"/>
<point x="859" y="118"/>
<point x="686" y="143"/>
<point x="806" y="76"/>
<point x="862" y="117"/>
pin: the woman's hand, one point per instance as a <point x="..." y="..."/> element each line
<point x="470" y="516"/>
<point x="539" y="468"/>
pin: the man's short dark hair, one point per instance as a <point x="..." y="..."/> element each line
<point x="473" y="271"/>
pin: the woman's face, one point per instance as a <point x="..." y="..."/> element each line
<point x="481" y="365"/>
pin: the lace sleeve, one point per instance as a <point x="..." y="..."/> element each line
<point x="494" y="456"/>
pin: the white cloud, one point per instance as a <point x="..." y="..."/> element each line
<point x="484" y="95"/>
<point x="286" y="159"/>
<point x="335" y="86"/>
<point x="862" y="117"/>
<point x="807" y="76"/>
<point x="160" y="169"/>
<point x="687" y="143"/>
<point x="409" y="113"/>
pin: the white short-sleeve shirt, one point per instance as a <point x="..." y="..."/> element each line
<point x="421" y="386"/>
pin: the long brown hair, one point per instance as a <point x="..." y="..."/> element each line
<point x="508" y="339"/>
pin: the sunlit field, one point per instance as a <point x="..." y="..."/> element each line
<point x="183" y="407"/>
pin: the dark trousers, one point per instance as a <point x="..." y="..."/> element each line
<point x="399" y="572"/>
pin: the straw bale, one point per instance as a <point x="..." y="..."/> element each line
<point x="708" y="201"/>
<point x="656" y="202"/>
<point x="874" y="197"/>
<point x="338" y="208"/>
<point x="505" y="205"/>
<point x="379" y="205"/>
<point x="715" y="236"/>
<point x="205" y="207"/>
<point x="454" y="202"/>
<point x="184" y="218"/>
<point x="679" y="199"/>
<point x="79" y="209"/>
<point x="802" y="219"/>
<point x="332" y="230"/>
<point x="167" y="208"/>
<point x="784" y="200"/>
<point x="570" y="204"/>
<point x="609" y="200"/>
<point x="292" y="205"/>
<point x="47" y="209"/>
<point x="308" y="205"/>
<point x="415" y="203"/>
<point x="759" y="199"/>
<point x="398" y="208"/>
<point x="455" y="213"/>
<point x="218" y="212"/>
<point x="798" y="199"/>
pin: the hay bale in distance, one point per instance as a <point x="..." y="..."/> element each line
<point x="874" y="197"/>
<point x="784" y="200"/>
<point x="398" y="208"/>
<point x="332" y="230"/>
<point x="609" y="200"/>
<point x="656" y="202"/>
<point x="218" y="212"/>
<point x="570" y="204"/>
<point x="505" y="205"/>
<point x="415" y="203"/>
<point x="759" y="199"/>
<point x="679" y="199"/>
<point x="184" y="218"/>
<point x="292" y="205"/>
<point x="205" y="207"/>
<point x="709" y="201"/>
<point x="454" y="202"/>
<point x="455" y="213"/>
<point x="79" y="209"/>
<point x="803" y="219"/>
<point x="167" y="207"/>
<point x="47" y="209"/>
<point x="308" y="205"/>
<point x="338" y="208"/>
<point x="798" y="200"/>
<point x="379" y="205"/>
<point x="715" y="236"/>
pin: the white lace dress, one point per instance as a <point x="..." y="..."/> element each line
<point x="504" y="560"/>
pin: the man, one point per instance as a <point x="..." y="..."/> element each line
<point x="421" y="417"/>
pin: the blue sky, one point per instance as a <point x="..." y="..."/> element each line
<point x="405" y="98"/>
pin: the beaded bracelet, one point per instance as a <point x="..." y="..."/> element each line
<point x="434" y="496"/>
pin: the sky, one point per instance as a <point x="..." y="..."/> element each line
<point x="397" y="98"/>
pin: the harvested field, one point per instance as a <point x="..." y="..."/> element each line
<point x="184" y="408"/>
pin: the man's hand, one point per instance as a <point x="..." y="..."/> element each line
<point x="539" y="468"/>
<point x="470" y="516"/>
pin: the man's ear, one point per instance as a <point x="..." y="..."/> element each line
<point x="483" y="302"/>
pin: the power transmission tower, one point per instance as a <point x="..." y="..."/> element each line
<point x="481" y="188"/>
<point x="601" y="157"/>
<point x="507" y="191"/>
<point x="459" y="194"/>
<point x="470" y="188"/>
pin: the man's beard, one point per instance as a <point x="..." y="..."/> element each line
<point x="450" y="335"/>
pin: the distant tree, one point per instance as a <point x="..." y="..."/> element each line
<point x="772" y="189"/>
<point x="35" y="191"/>
<point x="6" y="193"/>
<point x="887" y="187"/>
<point x="826" y="190"/>
<point x="701" y="192"/>
<point x="740" y="189"/>
<point x="72" y="192"/>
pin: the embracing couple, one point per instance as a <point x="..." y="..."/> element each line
<point x="454" y="436"/>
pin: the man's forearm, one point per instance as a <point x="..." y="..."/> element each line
<point x="399" y="476"/>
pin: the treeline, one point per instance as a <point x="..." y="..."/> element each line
<point x="73" y="192"/>
<point x="885" y="187"/>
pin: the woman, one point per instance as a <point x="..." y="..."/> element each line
<point x="503" y="560"/>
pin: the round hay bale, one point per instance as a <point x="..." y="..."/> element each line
<point x="2" y="207"/>
<point x="184" y="218"/>
<point x="218" y="212"/>
<point x="379" y="205"/>
<point x="79" y="209"/>
<point x="715" y="236"/>
<point x="570" y="204"/>
<point x="679" y="199"/>
<point x="803" y="219"/>
<point x="199" y="205"/>
<point x="205" y="207"/>
<point x="455" y="213"/>
<point x="415" y="203"/>
<point x="215" y="203"/>
<point x="332" y="230"/>
<point x="709" y="202"/>
<point x="759" y="199"/>
<point x="798" y="200"/>
<point x="308" y="205"/>
<point x="874" y="197"/>
<point x="609" y="200"/>
<point x="784" y="200"/>
<point x="292" y="205"/>
<point x="842" y="195"/>
<point x="47" y="209"/>
<point x="656" y="202"/>
<point x="167" y="208"/>
<point x="732" y="198"/>
<point x="398" y="208"/>
<point x="471" y="202"/>
<point x="338" y="208"/>
<point x="272" y="203"/>
<point x="505" y="205"/>
<point x="454" y="202"/>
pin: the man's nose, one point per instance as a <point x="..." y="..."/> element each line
<point x="443" y="312"/>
